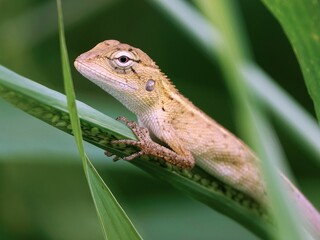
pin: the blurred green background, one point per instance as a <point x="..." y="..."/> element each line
<point x="43" y="192"/>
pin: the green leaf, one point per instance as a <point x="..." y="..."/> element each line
<point x="99" y="129"/>
<point x="300" y="21"/>
<point x="115" y="223"/>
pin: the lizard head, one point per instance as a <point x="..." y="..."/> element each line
<point x="125" y="72"/>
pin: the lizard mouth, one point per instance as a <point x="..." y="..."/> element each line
<point x="98" y="76"/>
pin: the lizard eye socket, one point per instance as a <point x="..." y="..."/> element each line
<point x="123" y="59"/>
<point x="150" y="85"/>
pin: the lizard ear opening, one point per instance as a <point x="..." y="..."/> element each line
<point x="150" y="85"/>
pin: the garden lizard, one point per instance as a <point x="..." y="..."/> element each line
<point x="166" y="116"/>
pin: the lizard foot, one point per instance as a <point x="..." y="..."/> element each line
<point x="144" y="141"/>
<point x="149" y="147"/>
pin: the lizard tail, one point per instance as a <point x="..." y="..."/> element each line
<point x="306" y="209"/>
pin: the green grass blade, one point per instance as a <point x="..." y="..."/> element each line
<point x="300" y="21"/>
<point x="300" y="123"/>
<point x="288" y="109"/>
<point x="233" y="54"/>
<point x="99" y="129"/>
<point x="115" y="223"/>
<point x="290" y="224"/>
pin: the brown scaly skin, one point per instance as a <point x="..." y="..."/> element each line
<point x="136" y="81"/>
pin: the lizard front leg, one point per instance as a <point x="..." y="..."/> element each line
<point x="149" y="147"/>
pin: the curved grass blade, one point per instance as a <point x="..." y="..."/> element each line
<point x="233" y="54"/>
<point x="115" y="223"/>
<point x="99" y="129"/>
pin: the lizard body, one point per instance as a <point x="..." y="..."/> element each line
<point x="131" y="76"/>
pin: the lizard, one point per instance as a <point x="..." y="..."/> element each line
<point x="172" y="128"/>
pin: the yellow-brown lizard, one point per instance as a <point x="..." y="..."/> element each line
<point x="130" y="75"/>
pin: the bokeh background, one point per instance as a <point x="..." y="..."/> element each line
<point x="43" y="191"/>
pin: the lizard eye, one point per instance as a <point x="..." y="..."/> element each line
<point x="123" y="59"/>
<point x="150" y="85"/>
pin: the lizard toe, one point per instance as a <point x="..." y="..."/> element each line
<point x="127" y="142"/>
<point x="134" y="155"/>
